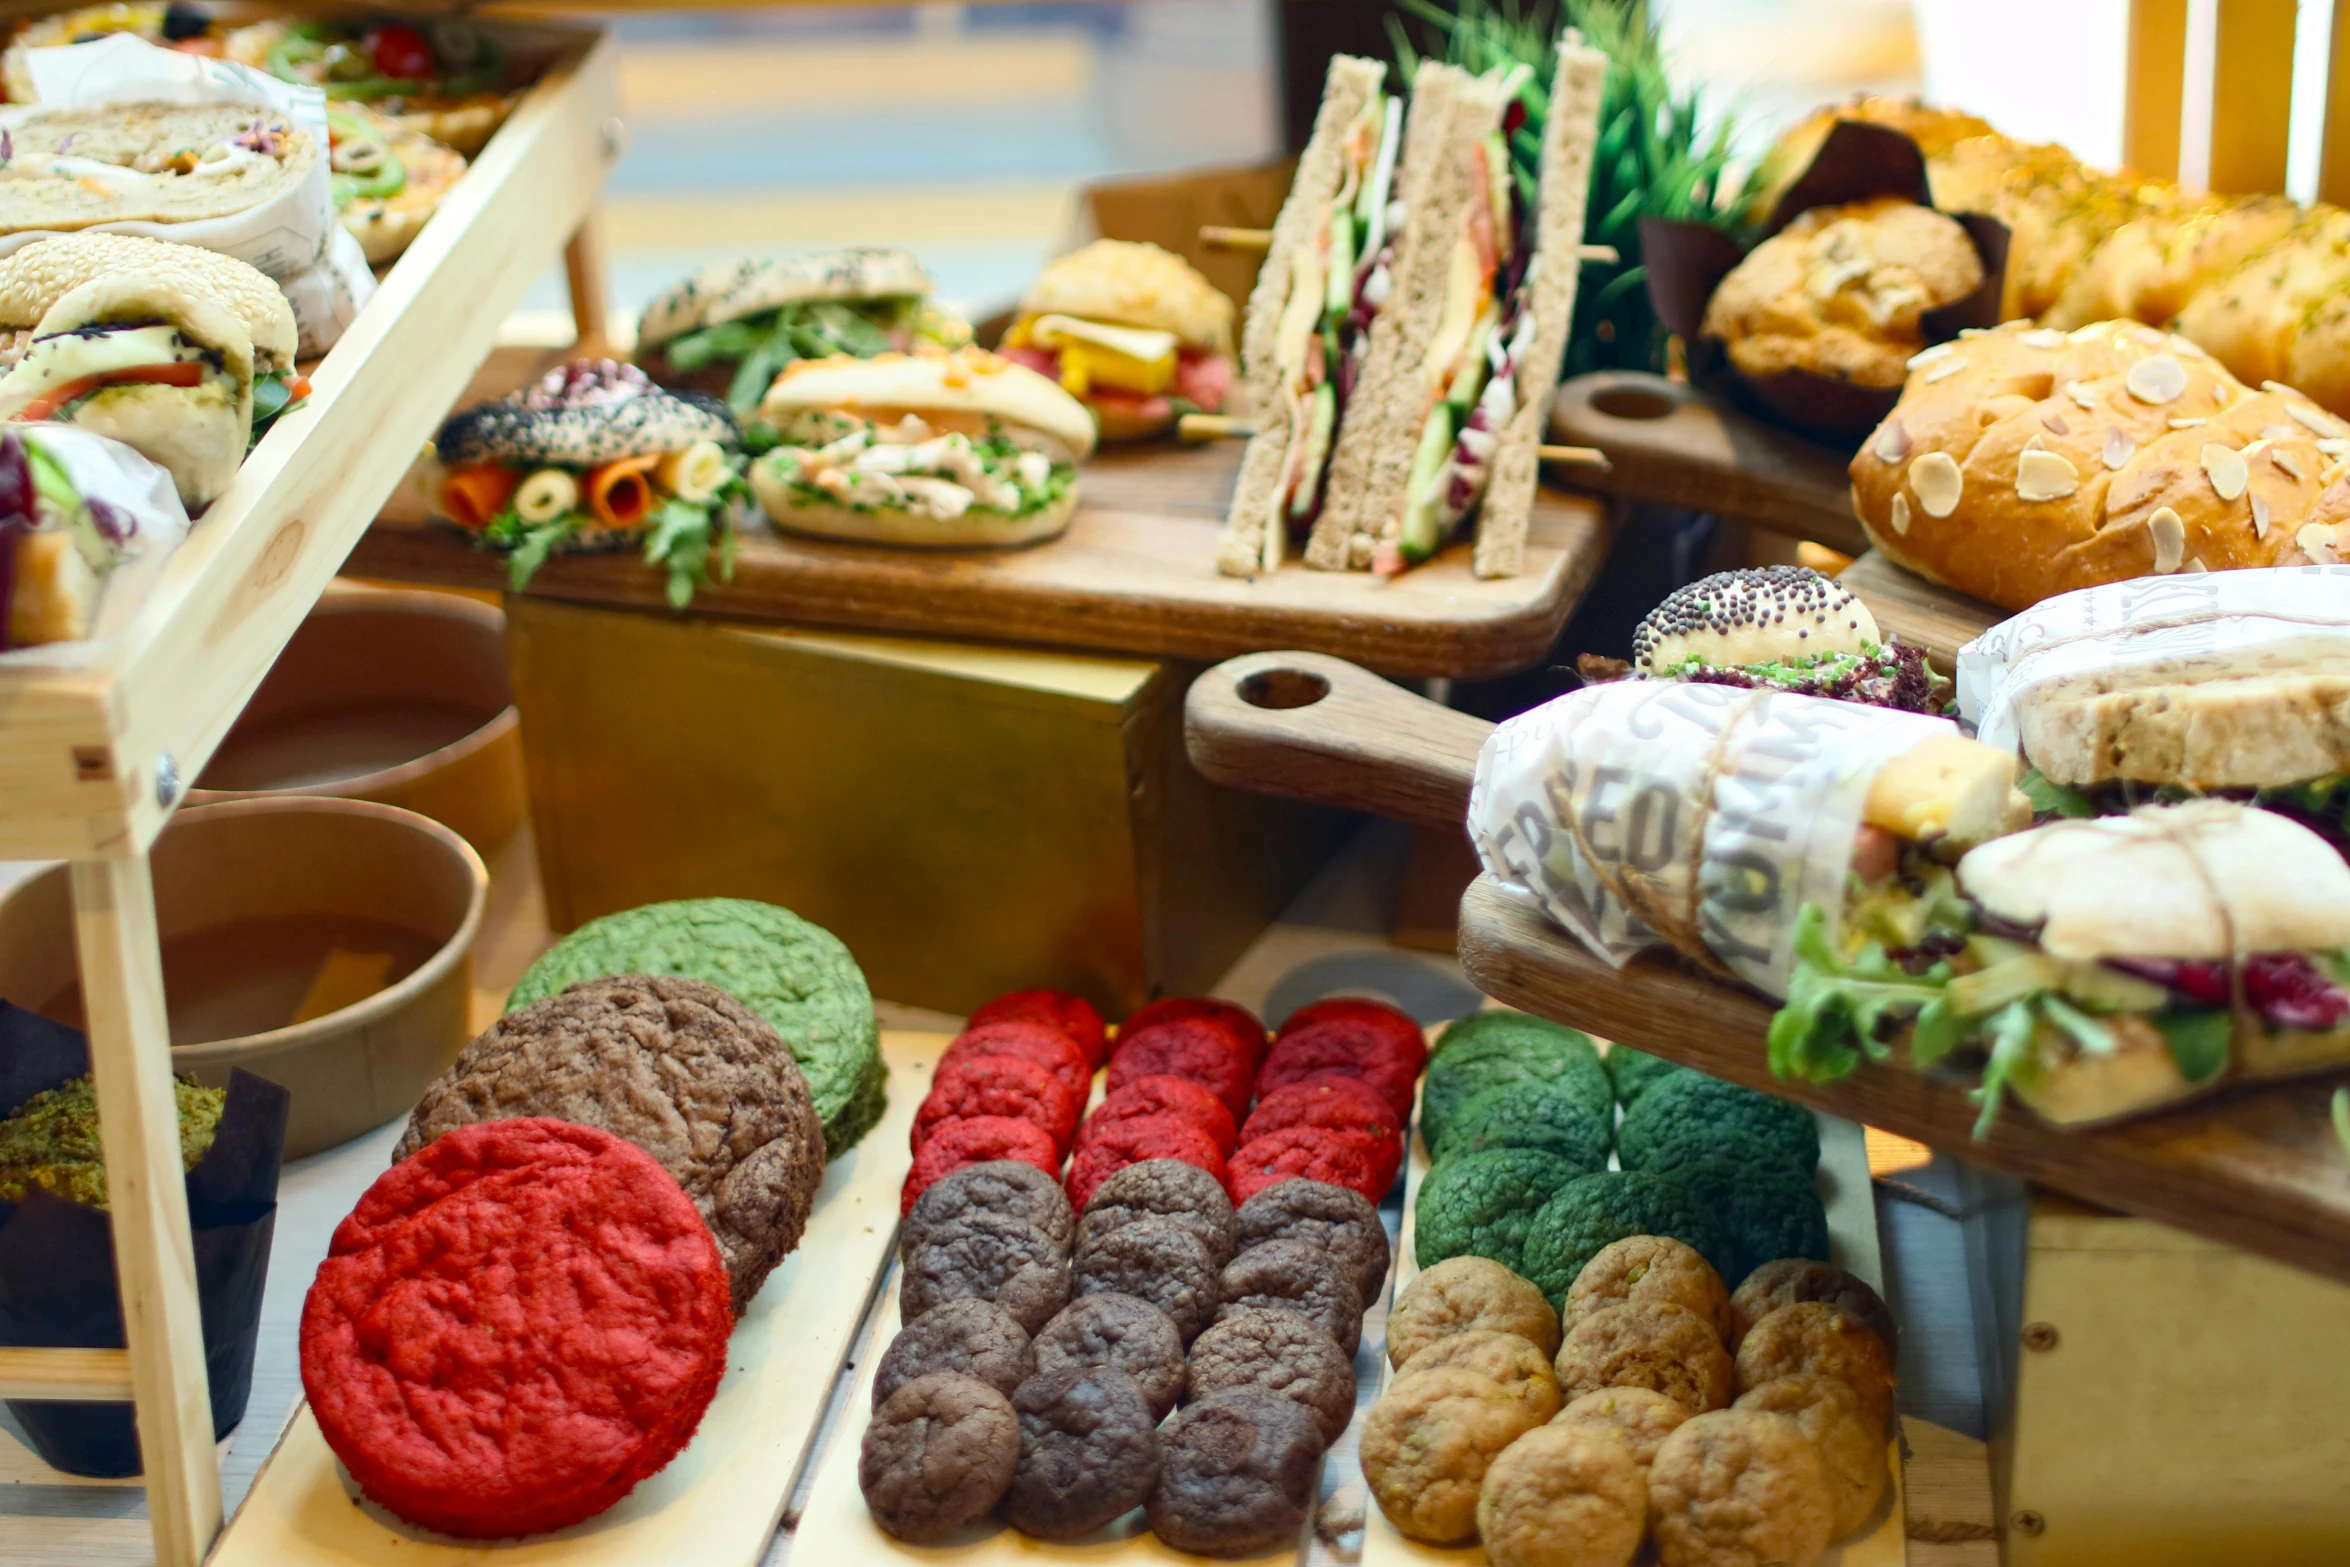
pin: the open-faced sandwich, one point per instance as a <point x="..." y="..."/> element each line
<point x="2097" y="968"/>
<point x="388" y="179"/>
<point x="66" y="169"/>
<point x="447" y="78"/>
<point x="595" y="457"/>
<point x="1132" y="331"/>
<point x="1408" y="327"/>
<point x="961" y="448"/>
<point x="177" y="352"/>
<point x="188" y="28"/>
<point x="730" y="329"/>
<point x="74" y="509"/>
<point x="1780" y="628"/>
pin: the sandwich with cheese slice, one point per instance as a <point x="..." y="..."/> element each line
<point x="930" y="449"/>
<point x="1446" y="293"/>
<point x="1133" y="332"/>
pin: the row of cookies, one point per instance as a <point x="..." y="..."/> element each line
<point x="1570" y="1443"/>
<point x="1041" y="1383"/>
<point x="1521" y="1117"/>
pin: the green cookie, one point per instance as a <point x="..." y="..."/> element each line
<point x="1481" y="1204"/>
<point x="1513" y="1049"/>
<point x="1692" y="1110"/>
<point x="1598" y="1210"/>
<point x="796" y="975"/>
<point x="1548" y="1116"/>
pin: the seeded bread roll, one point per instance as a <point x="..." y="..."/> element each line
<point x="2027" y="462"/>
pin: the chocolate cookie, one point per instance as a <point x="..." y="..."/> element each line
<point x="982" y="1256"/>
<point x="1089" y="1453"/>
<point x="1340" y="1221"/>
<point x="1123" y="1334"/>
<point x="937" y="1457"/>
<point x="1280" y="1352"/>
<point x="999" y="1186"/>
<point x="972" y="1338"/>
<point x="1162" y="1189"/>
<point x="1298" y="1276"/>
<point x="1159" y="1261"/>
<point x="675" y="1066"/>
<point x="1238" y="1475"/>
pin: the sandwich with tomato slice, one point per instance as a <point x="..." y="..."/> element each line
<point x="175" y="351"/>
<point x="1409" y="325"/>
<point x="595" y="457"/>
<point x="1133" y="332"/>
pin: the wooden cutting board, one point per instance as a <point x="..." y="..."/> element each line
<point x="1135" y="573"/>
<point x="718" y="1502"/>
<point x="1941" y="620"/>
<point x="2257" y="1167"/>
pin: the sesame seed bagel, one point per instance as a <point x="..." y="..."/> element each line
<point x="34" y="279"/>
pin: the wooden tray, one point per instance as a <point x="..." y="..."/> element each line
<point x="718" y="1504"/>
<point x="1852" y="1233"/>
<point x="1134" y="574"/>
<point x="2257" y="1167"/>
<point x="1941" y="620"/>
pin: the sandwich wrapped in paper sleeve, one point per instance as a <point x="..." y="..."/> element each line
<point x="86" y="525"/>
<point x="1706" y="818"/>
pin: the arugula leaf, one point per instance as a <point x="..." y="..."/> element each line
<point x="2012" y="1027"/>
<point x="531" y="553"/>
<point x="1834" y="1009"/>
<point x="2198" y="1042"/>
<point x="2049" y="796"/>
<point x="678" y="539"/>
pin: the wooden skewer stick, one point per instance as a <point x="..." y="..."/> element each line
<point x="1222" y="427"/>
<point x="1218" y="237"/>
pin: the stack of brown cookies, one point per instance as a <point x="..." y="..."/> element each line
<point x="1043" y="1351"/>
<point x="1569" y="1444"/>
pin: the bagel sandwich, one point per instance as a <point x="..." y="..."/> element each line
<point x="730" y="329"/>
<point x="595" y="457"/>
<point x="965" y="448"/>
<point x="2100" y="968"/>
<point x="1132" y="331"/>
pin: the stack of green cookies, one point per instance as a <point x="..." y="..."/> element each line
<point x="1520" y="1115"/>
<point x="797" y="976"/>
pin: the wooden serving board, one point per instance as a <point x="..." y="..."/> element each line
<point x="1941" y="620"/>
<point x="1135" y="573"/>
<point x="1852" y="1237"/>
<point x="1668" y="442"/>
<point x="718" y="1503"/>
<point x="2256" y="1167"/>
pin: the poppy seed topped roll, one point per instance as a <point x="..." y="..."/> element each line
<point x="584" y="415"/>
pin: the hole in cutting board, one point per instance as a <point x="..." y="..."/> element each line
<point x="1283" y="688"/>
<point x="1633" y="402"/>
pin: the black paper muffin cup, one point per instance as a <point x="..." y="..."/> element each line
<point x="57" y="1283"/>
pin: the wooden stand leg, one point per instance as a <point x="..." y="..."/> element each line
<point x="130" y="1056"/>
<point x="589" y="277"/>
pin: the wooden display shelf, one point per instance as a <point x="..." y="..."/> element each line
<point x="2256" y="1167"/>
<point x="1135" y="573"/>
<point x="94" y="757"/>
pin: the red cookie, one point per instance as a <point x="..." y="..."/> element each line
<point x="1396" y="1026"/>
<point x="1122" y="1143"/>
<point x="997" y="1085"/>
<point x="1072" y="1015"/>
<point x="975" y="1140"/>
<point x="1350" y="1050"/>
<point x="1337" y="1104"/>
<point x="1048" y="1047"/>
<point x="1165" y="1095"/>
<point x="1348" y="1159"/>
<point x="516" y="1325"/>
<point x="1192" y="1048"/>
<point x="1237" y="1021"/>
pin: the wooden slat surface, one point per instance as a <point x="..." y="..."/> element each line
<point x="1134" y="574"/>
<point x="2257" y="1168"/>
<point x="1939" y="619"/>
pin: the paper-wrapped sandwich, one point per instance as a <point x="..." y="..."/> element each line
<point x="173" y="350"/>
<point x="148" y="162"/>
<point x="939" y="449"/>
<point x="85" y="524"/>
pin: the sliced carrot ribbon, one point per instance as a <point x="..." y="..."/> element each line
<point x="619" y="493"/>
<point x="473" y="497"/>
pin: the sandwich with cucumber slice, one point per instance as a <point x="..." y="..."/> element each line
<point x="595" y="457"/>
<point x="1410" y="323"/>
<point x="2095" y="969"/>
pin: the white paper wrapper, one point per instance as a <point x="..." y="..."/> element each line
<point x="2153" y="631"/>
<point x="293" y="237"/>
<point x="1703" y="817"/>
<point x="110" y="471"/>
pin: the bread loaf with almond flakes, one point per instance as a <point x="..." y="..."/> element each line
<point x="2026" y="462"/>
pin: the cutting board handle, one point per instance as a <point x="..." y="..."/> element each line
<point x="1319" y="728"/>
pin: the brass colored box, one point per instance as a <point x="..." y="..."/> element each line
<point x="2175" y="1403"/>
<point x="970" y="820"/>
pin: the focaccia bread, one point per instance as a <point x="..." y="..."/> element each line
<point x="2027" y="462"/>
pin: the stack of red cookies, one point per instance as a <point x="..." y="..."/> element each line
<point x="1332" y="1093"/>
